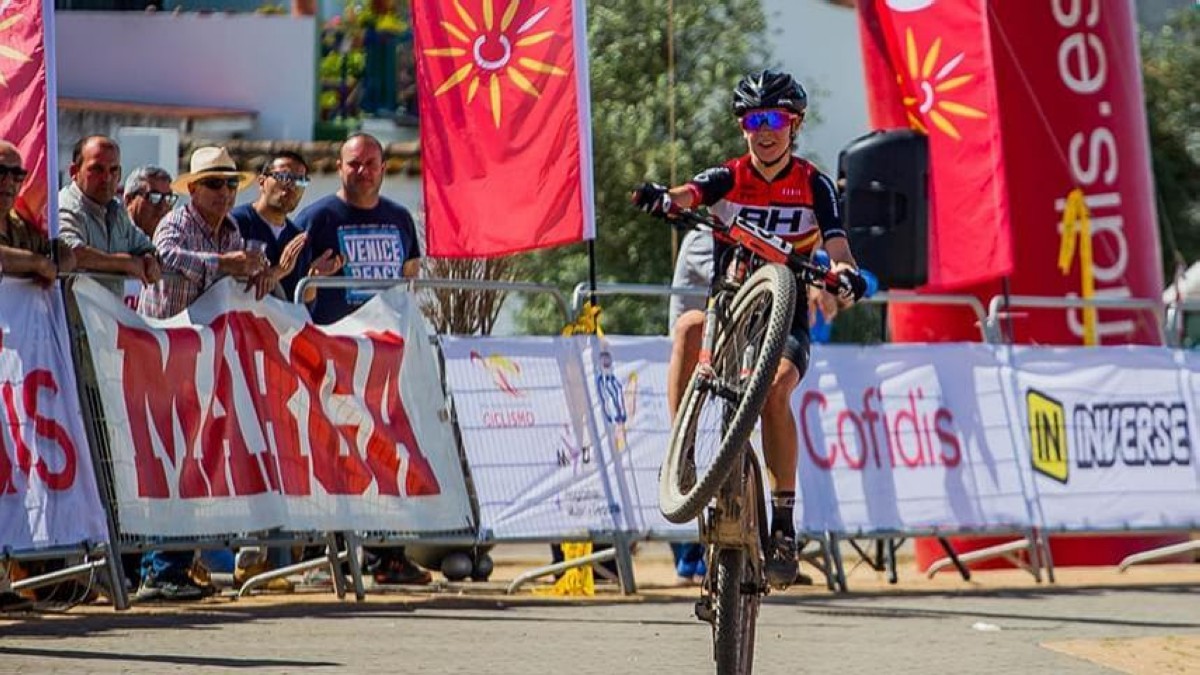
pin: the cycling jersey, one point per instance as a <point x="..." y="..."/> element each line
<point x="800" y="204"/>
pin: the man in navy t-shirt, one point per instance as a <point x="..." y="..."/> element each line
<point x="375" y="239"/>
<point x="375" y="236"/>
<point x="281" y="183"/>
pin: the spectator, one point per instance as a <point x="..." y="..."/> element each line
<point x="199" y="242"/>
<point x="281" y="182"/>
<point x="383" y="239"/>
<point x="93" y="222"/>
<point x="24" y="251"/>
<point x="148" y="197"/>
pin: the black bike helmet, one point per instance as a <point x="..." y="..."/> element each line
<point x="769" y="89"/>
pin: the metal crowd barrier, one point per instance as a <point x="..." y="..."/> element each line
<point x="621" y="541"/>
<point x="1003" y="302"/>
<point x="828" y="557"/>
<point x="99" y="440"/>
<point x="105" y="556"/>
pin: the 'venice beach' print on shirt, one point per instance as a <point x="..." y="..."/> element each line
<point x="372" y="252"/>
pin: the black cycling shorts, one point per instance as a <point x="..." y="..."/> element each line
<point x="798" y="343"/>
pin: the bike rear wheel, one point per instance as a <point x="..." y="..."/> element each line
<point x="719" y="409"/>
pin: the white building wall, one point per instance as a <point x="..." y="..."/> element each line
<point x="818" y="43"/>
<point x="253" y="62"/>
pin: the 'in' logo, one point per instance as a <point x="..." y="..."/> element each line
<point x="1047" y="435"/>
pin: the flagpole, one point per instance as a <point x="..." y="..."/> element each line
<point x="591" y="248"/>
<point x="49" y="60"/>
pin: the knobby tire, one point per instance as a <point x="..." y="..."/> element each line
<point x="761" y="315"/>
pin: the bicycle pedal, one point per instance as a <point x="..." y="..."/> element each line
<point x="704" y="611"/>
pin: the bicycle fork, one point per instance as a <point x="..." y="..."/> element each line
<point x="734" y="521"/>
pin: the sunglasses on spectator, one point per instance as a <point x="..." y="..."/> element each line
<point x="772" y="120"/>
<point x="157" y="198"/>
<point x="297" y="179"/>
<point x="218" y="183"/>
<point x="18" y="174"/>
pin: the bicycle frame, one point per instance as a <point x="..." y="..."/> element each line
<point x="753" y="247"/>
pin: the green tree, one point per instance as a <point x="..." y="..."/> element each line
<point x="714" y="44"/>
<point x="1171" y="72"/>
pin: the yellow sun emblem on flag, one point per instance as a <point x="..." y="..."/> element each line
<point x="494" y="54"/>
<point x="6" y="51"/>
<point x="933" y="87"/>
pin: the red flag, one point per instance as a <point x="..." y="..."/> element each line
<point x="26" y="110"/>
<point x="940" y="56"/>
<point x="505" y="125"/>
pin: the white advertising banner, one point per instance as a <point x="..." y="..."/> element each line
<point x="531" y="440"/>
<point x="1110" y="436"/>
<point x="898" y="438"/>
<point x="631" y="390"/>
<point x="48" y="494"/>
<point x="240" y="415"/>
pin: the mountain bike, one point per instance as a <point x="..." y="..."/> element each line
<point x="710" y="462"/>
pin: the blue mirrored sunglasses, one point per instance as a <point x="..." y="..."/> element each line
<point x="299" y="180"/>
<point x="772" y="120"/>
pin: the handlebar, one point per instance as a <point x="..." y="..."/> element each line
<point x="765" y="245"/>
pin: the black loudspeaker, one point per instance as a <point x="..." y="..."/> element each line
<point x="884" y="178"/>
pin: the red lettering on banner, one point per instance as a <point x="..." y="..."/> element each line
<point x="270" y="391"/>
<point x="909" y="416"/>
<point x="859" y="432"/>
<point x="159" y="393"/>
<point x="51" y="430"/>
<point x="817" y="398"/>
<point x="27" y="460"/>
<point x="947" y="436"/>
<point x="327" y="362"/>
<point x="234" y="446"/>
<point x="224" y="455"/>
<point x="393" y="430"/>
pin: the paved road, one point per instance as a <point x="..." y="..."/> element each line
<point x="990" y="632"/>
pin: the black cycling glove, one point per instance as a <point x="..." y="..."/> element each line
<point x="853" y="285"/>
<point x="653" y="199"/>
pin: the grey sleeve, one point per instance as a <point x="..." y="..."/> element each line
<point x="71" y="231"/>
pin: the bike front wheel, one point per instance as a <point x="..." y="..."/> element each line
<point x="721" y="405"/>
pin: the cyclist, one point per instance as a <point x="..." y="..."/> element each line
<point x="787" y="195"/>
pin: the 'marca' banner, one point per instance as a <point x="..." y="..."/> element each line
<point x="246" y="416"/>
<point x="48" y="493"/>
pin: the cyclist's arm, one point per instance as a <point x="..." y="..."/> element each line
<point x="829" y="219"/>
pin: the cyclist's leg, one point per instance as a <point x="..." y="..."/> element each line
<point x="780" y="441"/>
<point x="685" y="350"/>
<point x="780" y="436"/>
<point x="779" y="429"/>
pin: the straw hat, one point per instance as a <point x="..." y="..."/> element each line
<point x="211" y="162"/>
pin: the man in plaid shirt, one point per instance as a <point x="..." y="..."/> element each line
<point x="199" y="243"/>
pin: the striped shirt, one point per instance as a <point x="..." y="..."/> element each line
<point x="189" y="251"/>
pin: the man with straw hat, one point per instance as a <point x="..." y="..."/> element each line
<point x="199" y="243"/>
